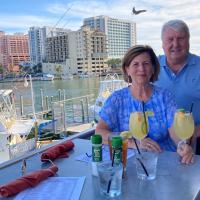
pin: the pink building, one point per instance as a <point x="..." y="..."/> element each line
<point x="13" y="50"/>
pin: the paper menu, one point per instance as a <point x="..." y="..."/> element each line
<point x="68" y="188"/>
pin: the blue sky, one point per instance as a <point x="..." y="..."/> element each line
<point x="19" y="15"/>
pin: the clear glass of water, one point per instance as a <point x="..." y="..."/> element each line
<point x="110" y="178"/>
<point x="146" y="164"/>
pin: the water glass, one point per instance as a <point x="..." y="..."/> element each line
<point x="146" y="164"/>
<point x="110" y="178"/>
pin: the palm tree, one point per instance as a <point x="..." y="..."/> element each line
<point x="114" y="62"/>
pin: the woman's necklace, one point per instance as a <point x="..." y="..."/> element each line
<point x="142" y="93"/>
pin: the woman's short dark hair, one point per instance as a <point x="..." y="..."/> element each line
<point x="135" y="51"/>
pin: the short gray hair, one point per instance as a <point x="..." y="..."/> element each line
<point x="177" y="25"/>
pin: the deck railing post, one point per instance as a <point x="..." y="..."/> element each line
<point x="87" y="109"/>
<point x="73" y="116"/>
<point x="21" y="105"/>
<point x="82" y="111"/>
<point x="53" y="117"/>
<point x="59" y="95"/>
<point x="64" y="117"/>
<point x="64" y="95"/>
<point x="51" y="99"/>
<point x="42" y="100"/>
<point x="47" y="102"/>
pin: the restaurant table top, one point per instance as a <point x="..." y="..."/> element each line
<point x="174" y="180"/>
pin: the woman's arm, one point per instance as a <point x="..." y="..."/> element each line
<point x="103" y="129"/>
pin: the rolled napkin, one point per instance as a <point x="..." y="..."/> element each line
<point x="24" y="182"/>
<point x="58" y="151"/>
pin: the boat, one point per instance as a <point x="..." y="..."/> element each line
<point x="47" y="77"/>
<point x="13" y="130"/>
<point x="18" y="135"/>
<point x="83" y="75"/>
<point x="110" y="84"/>
<point x="67" y="76"/>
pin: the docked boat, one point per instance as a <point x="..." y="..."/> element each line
<point x="18" y="134"/>
<point x="110" y="84"/>
<point x="13" y="130"/>
<point x="47" y="77"/>
<point x="67" y="76"/>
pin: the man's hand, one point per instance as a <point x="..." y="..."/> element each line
<point x="186" y="153"/>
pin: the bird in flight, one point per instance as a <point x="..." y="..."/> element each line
<point x="136" y="12"/>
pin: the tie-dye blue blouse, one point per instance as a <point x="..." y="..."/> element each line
<point x="117" y="108"/>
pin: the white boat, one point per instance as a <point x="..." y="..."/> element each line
<point x="83" y="75"/>
<point x="87" y="75"/>
<point x="67" y="76"/>
<point x="17" y="135"/>
<point x="107" y="87"/>
<point x="47" y="77"/>
<point x="13" y="130"/>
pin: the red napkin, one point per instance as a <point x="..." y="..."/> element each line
<point x="27" y="181"/>
<point x="58" y="151"/>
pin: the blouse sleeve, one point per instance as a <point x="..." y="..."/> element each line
<point x="170" y="108"/>
<point x="109" y="112"/>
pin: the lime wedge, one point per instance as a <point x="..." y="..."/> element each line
<point x="149" y="113"/>
<point x="126" y="134"/>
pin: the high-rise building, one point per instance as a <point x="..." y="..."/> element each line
<point x="37" y="41"/>
<point x="121" y="34"/>
<point x="13" y="50"/>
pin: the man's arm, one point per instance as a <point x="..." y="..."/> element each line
<point x="195" y="137"/>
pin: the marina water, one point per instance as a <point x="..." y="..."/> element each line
<point x="73" y="88"/>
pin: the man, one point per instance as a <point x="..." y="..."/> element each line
<point x="180" y="70"/>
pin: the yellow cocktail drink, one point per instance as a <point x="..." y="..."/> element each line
<point x="138" y="125"/>
<point x="183" y="125"/>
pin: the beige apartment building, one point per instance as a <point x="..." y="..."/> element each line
<point x="13" y="50"/>
<point x="91" y="51"/>
<point x="57" y="49"/>
<point x="80" y="52"/>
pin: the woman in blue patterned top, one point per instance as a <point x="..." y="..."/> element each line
<point x="141" y="68"/>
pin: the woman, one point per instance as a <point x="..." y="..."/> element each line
<point x="141" y="68"/>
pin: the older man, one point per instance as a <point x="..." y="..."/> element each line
<point x="180" y="70"/>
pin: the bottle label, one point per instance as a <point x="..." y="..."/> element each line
<point x="117" y="156"/>
<point x="96" y="154"/>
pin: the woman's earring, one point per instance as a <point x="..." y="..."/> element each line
<point x="129" y="80"/>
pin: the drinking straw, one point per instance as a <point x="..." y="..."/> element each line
<point x="144" y="114"/>
<point x="109" y="183"/>
<point x="141" y="163"/>
<point x="138" y="150"/>
<point x="191" y="107"/>
<point x="144" y="168"/>
<point x="113" y="157"/>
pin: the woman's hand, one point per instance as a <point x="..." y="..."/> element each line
<point x="186" y="153"/>
<point x="151" y="145"/>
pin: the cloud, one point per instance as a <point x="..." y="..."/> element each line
<point x="149" y="23"/>
<point x="23" y="22"/>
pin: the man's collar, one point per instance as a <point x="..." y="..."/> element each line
<point x="190" y="61"/>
